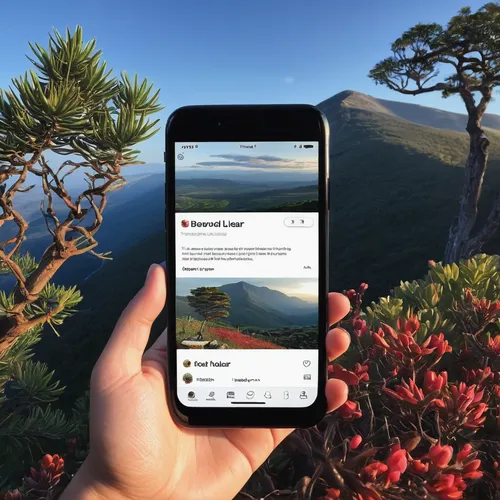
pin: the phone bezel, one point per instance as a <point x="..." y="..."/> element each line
<point x="247" y="123"/>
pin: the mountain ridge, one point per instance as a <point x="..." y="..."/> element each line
<point x="412" y="112"/>
<point x="260" y="307"/>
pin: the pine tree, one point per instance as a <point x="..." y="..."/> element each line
<point x="69" y="105"/>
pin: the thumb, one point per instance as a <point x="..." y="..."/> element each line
<point x="123" y="353"/>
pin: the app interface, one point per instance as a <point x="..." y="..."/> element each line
<point x="247" y="247"/>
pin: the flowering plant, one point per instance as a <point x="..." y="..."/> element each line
<point x="423" y="418"/>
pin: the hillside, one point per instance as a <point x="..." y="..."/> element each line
<point x="395" y="190"/>
<point x="259" y="307"/>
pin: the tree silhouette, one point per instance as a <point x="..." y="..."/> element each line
<point x="468" y="50"/>
<point x="210" y="303"/>
<point x="70" y="105"/>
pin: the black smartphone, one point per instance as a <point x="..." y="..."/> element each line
<point x="247" y="235"/>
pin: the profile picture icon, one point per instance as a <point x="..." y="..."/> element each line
<point x="186" y="363"/>
<point x="184" y="223"/>
<point x="188" y="378"/>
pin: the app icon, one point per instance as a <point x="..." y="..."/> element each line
<point x="191" y="395"/>
<point x="307" y="376"/>
<point x="250" y="394"/>
<point x="186" y="363"/>
<point x="211" y="394"/>
<point x="188" y="378"/>
<point x="286" y="395"/>
<point x="303" y="395"/>
<point x="185" y="223"/>
<point x="230" y="394"/>
<point x="267" y="394"/>
<point x="306" y="363"/>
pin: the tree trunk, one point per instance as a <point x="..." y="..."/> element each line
<point x="200" y="333"/>
<point x="15" y="323"/>
<point x="458" y="245"/>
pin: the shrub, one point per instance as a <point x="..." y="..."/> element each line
<point x="422" y="420"/>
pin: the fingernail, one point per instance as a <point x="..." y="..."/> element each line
<point x="150" y="270"/>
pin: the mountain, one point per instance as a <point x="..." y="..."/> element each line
<point x="415" y="113"/>
<point x="395" y="186"/>
<point x="395" y="182"/>
<point x="261" y="307"/>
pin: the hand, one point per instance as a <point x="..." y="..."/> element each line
<point x="136" y="449"/>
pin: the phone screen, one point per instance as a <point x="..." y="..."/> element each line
<point x="247" y="248"/>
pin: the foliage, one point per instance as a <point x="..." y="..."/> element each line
<point x="423" y="418"/>
<point x="28" y="421"/>
<point x="69" y="105"/>
<point x="210" y="303"/>
<point x="468" y="49"/>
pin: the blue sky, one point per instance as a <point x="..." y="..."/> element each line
<point x="221" y="51"/>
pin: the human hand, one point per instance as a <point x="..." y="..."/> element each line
<point x="137" y="451"/>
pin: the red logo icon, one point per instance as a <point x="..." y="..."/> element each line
<point x="185" y="223"/>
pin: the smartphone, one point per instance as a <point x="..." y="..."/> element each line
<point x="247" y="236"/>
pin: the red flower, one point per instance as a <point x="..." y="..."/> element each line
<point x="355" y="441"/>
<point x="494" y="345"/>
<point x="418" y="467"/>
<point x="362" y="372"/>
<point x="464" y="453"/>
<point x="406" y="392"/>
<point x="241" y="340"/>
<point x="396" y="464"/>
<point x="359" y="327"/>
<point x="337" y="371"/>
<point x="440" y="345"/>
<point x="462" y="407"/>
<point x="470" y="471"/>
<point x="13" y="495"/>
<point x="440" y="456"/>
<point x="447" y="487"/>
<point x="478" y="376"/>
<point x="46" y="461"/>
<point x="434" y="382"/>
<point x="408" y="326"/>
<point x="351" y="294"/>
<point x="374" y="470"/>
<point x="332" y="494"/>
<point x="363" y="287"/>
<point x="350" y="410"/>
<point x="402" y="347"/>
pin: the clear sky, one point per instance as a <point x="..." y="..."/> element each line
<point x="222" y="51"/>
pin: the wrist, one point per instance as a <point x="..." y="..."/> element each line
<point x="85" y="486"/>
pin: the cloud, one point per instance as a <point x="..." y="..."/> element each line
<point x="258" y="162"/>
<point x="252" y="159"/>
<point x="289" y="80"/>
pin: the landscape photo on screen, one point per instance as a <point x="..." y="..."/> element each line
<point x="235" y="177"/>
<point x="247" y="313"/>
